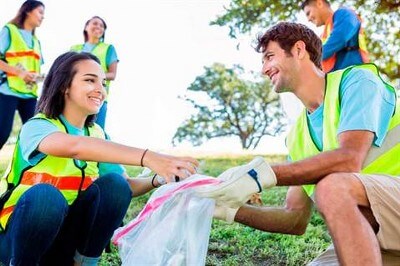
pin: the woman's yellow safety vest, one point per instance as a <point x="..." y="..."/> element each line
<point x="379" y="160"/>
<point x="70" y="176"/>
<point x="20" y="55"/>
<point x="100" y="51"/>
<point x="329" y="63"/>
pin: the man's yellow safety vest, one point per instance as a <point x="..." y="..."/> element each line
<point x="379" y="160"/>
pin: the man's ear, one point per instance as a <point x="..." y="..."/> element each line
<point x="299" y="49"/>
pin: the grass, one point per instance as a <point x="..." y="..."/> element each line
<point x="236" y="244"/>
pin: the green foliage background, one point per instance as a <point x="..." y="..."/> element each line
<point x="381" y="20"/>
<point x="232" y="106"/>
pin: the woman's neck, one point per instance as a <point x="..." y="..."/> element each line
<point x="93" y="40"/>
<point x="28" y="27"/>
<point x="75" y="119"/>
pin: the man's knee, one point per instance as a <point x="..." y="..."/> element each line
<point x="333" y="191"/>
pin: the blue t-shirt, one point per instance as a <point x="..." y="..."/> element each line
<point x="111" y="56"/>
<point x="344" y="34"/>
<point x="365" y="105"/>
<point x="4" y="44"/>
<point x="35" y="130"/>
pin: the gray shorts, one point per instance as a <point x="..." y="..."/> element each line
<point x="383" y="192"/>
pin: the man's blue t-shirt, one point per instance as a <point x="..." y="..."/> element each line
<point x="4" y="44"/>
<point x="343" y="35"/>
<point x="35" y="130"/>
<point x="365" y="105"/>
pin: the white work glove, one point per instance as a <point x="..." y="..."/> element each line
<point x="239" y="183"/>
<point x="225" y="213"/>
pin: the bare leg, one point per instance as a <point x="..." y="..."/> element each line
<point x="339" y="198"/>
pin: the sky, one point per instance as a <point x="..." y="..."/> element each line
<point x="163" y="45"/>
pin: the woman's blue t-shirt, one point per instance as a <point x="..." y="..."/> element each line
<point x="35" y="130"/>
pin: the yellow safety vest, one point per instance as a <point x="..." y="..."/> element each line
<point x="329" y="63"/>
<point x="100" y="51"/>
<point x="19" y="54"/>
<point x="70" y="176"/>
<point x="379" y="160"/>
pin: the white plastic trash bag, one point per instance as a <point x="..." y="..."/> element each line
<point x="172" y="229"/>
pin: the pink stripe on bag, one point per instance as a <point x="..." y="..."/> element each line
<point x="153" y="205"/>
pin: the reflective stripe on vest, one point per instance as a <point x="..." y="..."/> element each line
<point x="329" y="63"/>
<point x="70" y="176"/>
<point x="379" y="160"/>
<point x="20" y="55"/>
<point x="100" y="51"/>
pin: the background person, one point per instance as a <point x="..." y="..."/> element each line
<point x="343" y="37"/>
<point x="94" y="33"/>
<point x="20" y="61"/>
<point x="344" y="155"/>
<point x="67" y="191"/>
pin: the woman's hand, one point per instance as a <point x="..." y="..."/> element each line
<point x="172" y="168"/>
<point x="25" y="75"/>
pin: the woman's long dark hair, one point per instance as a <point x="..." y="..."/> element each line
<point x="85" y="34"/>
<point x="23" y="11"/>
<point x="58" y="80"/>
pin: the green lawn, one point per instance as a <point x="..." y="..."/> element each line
<point x="236" y="244"/>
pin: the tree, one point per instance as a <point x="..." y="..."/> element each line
<point x="381" y="19"/>
<point x="232" y="106"/>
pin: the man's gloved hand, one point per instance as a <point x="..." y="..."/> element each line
<point x="225" y="213"/>
<point x="239" y="183"/>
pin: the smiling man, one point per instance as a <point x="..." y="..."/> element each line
<point x="343" y="38"/>
<point x="343" y="150"/>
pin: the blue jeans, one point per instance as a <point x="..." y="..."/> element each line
<point x="8" y="106"/>
<point x="101" y="116"/>
<point x="44" y="230"/>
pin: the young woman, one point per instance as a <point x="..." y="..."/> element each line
<point x="20" y="61"/>
<point x="93" y="34"/>
<point x="67" y="191"/>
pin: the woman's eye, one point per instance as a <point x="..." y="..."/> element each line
<point x="90" y="80"/>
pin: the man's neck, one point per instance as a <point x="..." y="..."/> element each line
<point x="311" y="90"/>
<point x="326" y="13"/>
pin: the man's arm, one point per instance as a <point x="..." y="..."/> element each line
<point x="345" y="26"/>
<point x="290" y="219"/>
<point x="349" y="157"/>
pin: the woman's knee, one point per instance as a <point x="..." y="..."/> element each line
<point x="114" y="182"/>
<point x="42" y="208"/>
<point x="114" y="189"/>
<point x="44" y="201"/>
